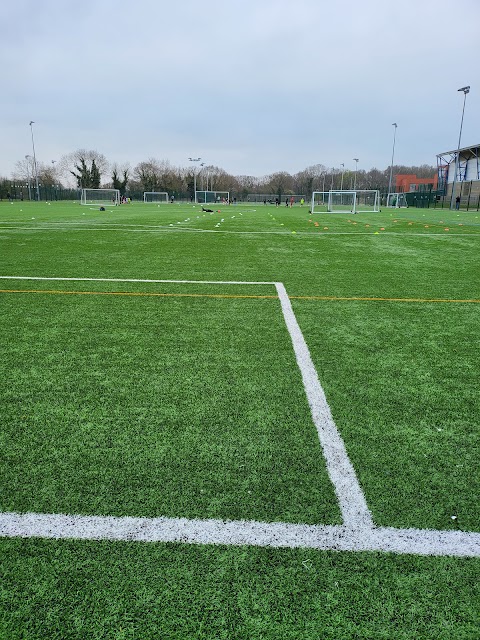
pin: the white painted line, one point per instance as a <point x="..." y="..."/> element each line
<point x="342" y="474"/>
<point x="136" y="280"/>
<point x="357" y="534"/>
<point x="309" y="234"/>
<point x="240" y="532"/>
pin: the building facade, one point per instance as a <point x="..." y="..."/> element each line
<point x="409" y="183"/>
<point x="465" y="173"/>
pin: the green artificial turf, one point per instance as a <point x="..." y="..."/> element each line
<point x="69" y="590"/>
<point x="180" y="406"/>
<point x="402" y="380"/>
<point x="176" y="406"/>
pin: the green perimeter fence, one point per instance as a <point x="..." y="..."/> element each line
<point x="437" y="199"/>
<point x="423" y="199"/>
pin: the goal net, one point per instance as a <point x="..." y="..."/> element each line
<point x="342" y="201"/>
<point x="396" y="200"/>
<point x="345" y="201"/>
<point x="367" y="201"/>
<point x="107" y="197"/>
<point x="155" y="196"/>
<point x="333" y="201"/>
<point x="204" y="197"/>
<point x="319" y="202"/>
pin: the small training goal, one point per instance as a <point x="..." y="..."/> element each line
<point x="155" y="196"/>
<point x="396" y="200"/>
<point x="100" y="197"/>
<point x="205" y="197"/>
<point x="359" y="201"/>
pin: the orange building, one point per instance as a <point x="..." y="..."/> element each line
<point x="409" y="183"/>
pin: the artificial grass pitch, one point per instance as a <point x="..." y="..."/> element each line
<point x="402" y="380"/>
<point x="85" y="589"/>
<point x="143" y="406"/>
<point x="83" y="376"/>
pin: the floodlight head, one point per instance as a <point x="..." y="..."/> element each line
<point x="394" y="124"/>
<point x="356" y="159"/>
<point x="465" y="90"/>
<point x="32" y="122"/>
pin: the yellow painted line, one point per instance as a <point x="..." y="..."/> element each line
<point x="134" y="293"/>
<point x="365" y="299"/>
<point x="225" y="295"/>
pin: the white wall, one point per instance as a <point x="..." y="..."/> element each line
<point x="471" y="170"/>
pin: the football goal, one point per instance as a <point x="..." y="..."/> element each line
<point x="104" y="197"/>
<point x="366" y="201"/>
<point x="396" y="200"/>
<point x="319" y="202"/>
<point x="204" y="197"/>
<point x="155" y="196"/>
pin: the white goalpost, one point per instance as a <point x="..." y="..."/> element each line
<point x="205" y="197"/>
<point x="103" y="197"/>
<point x="396" y="200"/>
<point x="345" y="201"/>
<point x="155" y="196"/>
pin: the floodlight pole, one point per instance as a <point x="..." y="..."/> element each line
<point x="53" y="177"/>
<point x="355" y="176"/>
<point x="27" y="158"/>
<point x="35" y="163"/>
<point x="331" y="186"/>
<point x="457" y="155"/>
<point x="393" y="153"/>
<point x="195" y="177"/>
<point x="342" y="164"/>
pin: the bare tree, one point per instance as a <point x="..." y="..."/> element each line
<point x="86" y="166"/>
<point x="375" y="179"/>
<point x="280" y="183"/>
<point x="178" y="183"/>
<point x="24" y="171"/>
<point x="156" y="175"/>
<point x="148" y="174"/>
<point x="310" y="179"/>
<point x="246" y="185"/>
<point x="223" y="181"/>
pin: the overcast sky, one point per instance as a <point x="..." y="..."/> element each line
<point x="252" y="86"/>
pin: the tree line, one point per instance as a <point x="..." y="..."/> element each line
<point x="91" y="169"/>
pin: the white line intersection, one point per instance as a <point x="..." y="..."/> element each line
<point x="358" y="532"/>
